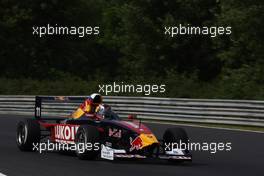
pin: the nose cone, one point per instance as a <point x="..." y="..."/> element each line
<point x="147" y="139"/>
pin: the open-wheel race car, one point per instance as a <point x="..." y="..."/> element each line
<point x="100" y="135"/>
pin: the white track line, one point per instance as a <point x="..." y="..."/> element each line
<point x="200" y="126"/>
<point x="2" y="174"/>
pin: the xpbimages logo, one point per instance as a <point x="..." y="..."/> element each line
<point x="147" y="89"/>
<point x="212" y="31"/>
<point x="211" y="147"/>
<point x="50" y="146"/>
<point x="80" y="31"/>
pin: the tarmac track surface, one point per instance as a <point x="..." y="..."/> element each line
<point x="245" y="158"/>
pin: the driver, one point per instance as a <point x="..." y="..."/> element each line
<point x="89" y="107"/>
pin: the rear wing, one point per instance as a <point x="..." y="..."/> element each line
<point x="40" y="99"/>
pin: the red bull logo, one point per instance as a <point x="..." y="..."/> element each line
<point x="137" y="143"/>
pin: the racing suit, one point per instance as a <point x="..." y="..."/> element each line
<point x="87" y="107"/>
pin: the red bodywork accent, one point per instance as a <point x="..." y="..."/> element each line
<point x="135" y="126"/>
<point x="52" y="126"/>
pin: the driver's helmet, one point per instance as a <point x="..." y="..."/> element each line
<point x="97" y="98"/>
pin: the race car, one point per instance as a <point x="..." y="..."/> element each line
<point x="102" y="135"/>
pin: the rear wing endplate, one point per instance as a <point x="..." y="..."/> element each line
<point x="40" y="99"/>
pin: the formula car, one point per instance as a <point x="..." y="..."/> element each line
<point x="103" y="135"/>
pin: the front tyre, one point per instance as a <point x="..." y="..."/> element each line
<point x="176" y="136"/>
<point x="28" y="132"/>
<point x="87" y="142"/>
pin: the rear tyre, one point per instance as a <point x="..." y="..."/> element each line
<point x="87" y="142"/>
<point x="176" y="136"/>
<point x="28" y="132"/>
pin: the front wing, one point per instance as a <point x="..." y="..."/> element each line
<point x="111" y="154"/>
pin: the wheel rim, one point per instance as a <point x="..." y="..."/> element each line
<point x="22" y="134"/>
<point x="80" y="140"/>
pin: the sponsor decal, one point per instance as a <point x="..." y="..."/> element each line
<point x="108" y="144"/>
<point x="65" y="132"/>
<point x="137" y="143"/>
<point x="115" y="133"/>
<point x="107" y="153"/>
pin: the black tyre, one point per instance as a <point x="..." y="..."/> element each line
<point x="87" y="140"/>
<point x="28" y="132"/>
<point x="176" y="136"/>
